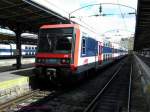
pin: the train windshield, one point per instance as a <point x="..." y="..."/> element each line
<point x="56" y="40"/>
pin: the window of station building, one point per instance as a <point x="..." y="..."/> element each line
<point x="32" y="47"/>
<point x="83" y="46"/>
<point x="26" y="47"/>
<point x="115" y="51"/>
<point x="105" y="44"/>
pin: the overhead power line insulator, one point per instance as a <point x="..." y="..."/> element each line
<point x="100" y="9"/>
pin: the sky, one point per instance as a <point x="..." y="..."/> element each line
<point x="117" y="19"/>
<point x="115" y="25"/>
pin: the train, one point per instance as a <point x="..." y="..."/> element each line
<point x="8" y="50"/>
<point x="67" y="51"/>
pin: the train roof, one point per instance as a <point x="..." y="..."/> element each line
<point x="59" y="26"/>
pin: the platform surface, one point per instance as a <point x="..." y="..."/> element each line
<point x="14" y="83"/>
<point x="10" y="75"/>
<point x="10" y="62"/>
<point x="144" y="62"/>
<point x="143" y="72"/>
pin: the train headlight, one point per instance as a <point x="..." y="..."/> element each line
<point x="65" y="61"/>
<point x="43" y="60"/>
<point x="46" y="60"/>
<point x="38" y="60"/>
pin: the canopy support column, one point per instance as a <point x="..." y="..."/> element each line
<point x="18" y="47"/>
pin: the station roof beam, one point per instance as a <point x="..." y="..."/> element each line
<point x="22" y="16"/>
<point x="142" y="35"/>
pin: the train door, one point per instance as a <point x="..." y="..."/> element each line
<point x="99" y="52"/>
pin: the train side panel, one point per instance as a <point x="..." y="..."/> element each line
<point x="87" y="53"/>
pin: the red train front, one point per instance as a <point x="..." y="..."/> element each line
<point x="56" y="47"/>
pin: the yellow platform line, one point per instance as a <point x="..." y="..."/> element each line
<point x="14" y="82"/>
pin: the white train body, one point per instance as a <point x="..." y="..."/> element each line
<point x="10" y="50"/>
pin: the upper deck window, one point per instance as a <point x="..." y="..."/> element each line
<point x="83" y="46"/>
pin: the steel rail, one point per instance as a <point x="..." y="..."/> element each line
<point x="89" y="107"/>
<point x="14" y="102"/>
<point x="130" y="85"/>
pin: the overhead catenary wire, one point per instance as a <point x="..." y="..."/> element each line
<point x="122" y="15"/>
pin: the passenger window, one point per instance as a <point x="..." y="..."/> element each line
<point x="100" y="49"/>
<point x="83" y="46"/>
<point x="104" y="57"/>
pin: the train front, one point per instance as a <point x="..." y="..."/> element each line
<point x="55" y="52"/>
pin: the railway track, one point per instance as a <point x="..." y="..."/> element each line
<point x="69" y="100"/>
<point x="111" y="98"/>
<point x="23" y="101"/>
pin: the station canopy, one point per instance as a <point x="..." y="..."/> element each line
<point x="142" y="33"/>
<point x="26" y="15"/>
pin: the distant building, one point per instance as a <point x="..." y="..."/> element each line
<point x="127" y="43"/>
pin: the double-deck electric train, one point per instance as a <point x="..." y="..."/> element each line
<point x="9" y="50"/>
<point x="66" y="51"/>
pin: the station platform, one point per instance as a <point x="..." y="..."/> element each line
<point x="145" y="59"/>
<point x="10" y="64"/>
<point x="141" y="83"/>
<point x="10" y="68"/>
<point x="14" y="83"/>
